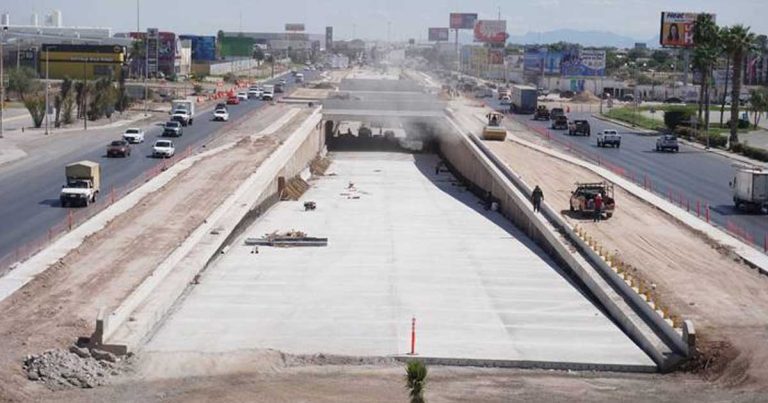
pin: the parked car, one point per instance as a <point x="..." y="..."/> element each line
<point x="133" y="135"/>
<point x="163" y="149"/>
<point x="119" y="148"/>
<point x="242" y="95"/>
<point x="579" y="127"/>
<point x="582" y="199"/>
<point x="173" y="129"/>
<point x="609" y="138"/>
<point x="560" y="123"/>
<point x="667" y="142"/>
<point x="233" y="100"/>
<point x="221" y="115"/>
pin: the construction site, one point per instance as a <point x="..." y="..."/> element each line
<point x="322" y="242"/>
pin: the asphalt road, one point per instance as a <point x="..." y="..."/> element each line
<point x="693" y="174"/>
<point x="29" y="202"/>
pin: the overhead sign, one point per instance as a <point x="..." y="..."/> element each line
<point x="587" y="63"/>
<point x="463" y="20"/>
<point x="491" y="31"/>
<point x="533" y="60"/>
<point x="438" y="34"/>
<point x="552" y="63"/>
<point x="294" y="27"/>
<point x="677" y="29"/>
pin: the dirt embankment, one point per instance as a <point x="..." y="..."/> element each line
<point x="727" y="300"/>
<point x="61" y="304"/>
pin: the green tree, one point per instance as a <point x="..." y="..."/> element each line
<point x="103" y="99"/>
<point x="758" y="101"/>
<point x="258" y="54"/>
<point x="416" y="380"/>
<point x="708" y="47"/>
<point x="739" y="41"/>
<point x="23" y="82"/>
<point x="60" y="103"/>
<point x="35" y="104"/>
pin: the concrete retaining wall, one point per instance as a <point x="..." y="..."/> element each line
<point x="126" y="328"/>
<point x="467" y="156"/>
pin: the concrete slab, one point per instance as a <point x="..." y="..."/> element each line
<point x="403" y="243"/>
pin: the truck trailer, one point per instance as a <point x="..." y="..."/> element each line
<point x="524" y="99"/>
<point x="750" y="189"/>
<point x="83" y="184"/>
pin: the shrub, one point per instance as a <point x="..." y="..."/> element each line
<point x="688" y="133"/>
<point x="35" y="104"/>
<point x="743" y="124"/>
<point x="678" y="116"/>
<point x="750" y="152"/>
<point x="198" y="89"/>
<point x="416" y="379"/>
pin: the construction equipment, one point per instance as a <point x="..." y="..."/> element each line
<point x="494" y="131"/>
<point x="583" y="198"/>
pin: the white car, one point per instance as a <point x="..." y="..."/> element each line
<point x="609" y="138"/>
<point x="283" y="81"/>
<point x="163" y="149"/>
<point x="221" y="115"/>
<point x="134" y="135"/>
<point x="254" y="92"/>
<point x="506" y="100"/>
<point x="242" y="95"/>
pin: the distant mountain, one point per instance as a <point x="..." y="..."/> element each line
<point x="585" y="38"/>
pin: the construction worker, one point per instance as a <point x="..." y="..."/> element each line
<point x="598" y="207"/>
<point x="536" y="197"/>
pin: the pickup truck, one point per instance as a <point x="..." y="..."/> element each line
<point x="579" y="127"/>
<point x="609" y="138"/>
<point x="134" y="135"/>
<point x="555" y="112"/>
<point x="667" y="142"/>
<point x="560" y="123"/>
<point x="254" y="92"/>
<point x="582" y="199"/>
<point x="268" y="93"/>
<point x="83" y="184"/>
<point x="163" y="149"/>
<point x="172" y="129"/>
<point x="118" y="148"/>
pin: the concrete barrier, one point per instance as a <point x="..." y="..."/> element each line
<point x="125" y="329"/>
<point x="475" y="164"/>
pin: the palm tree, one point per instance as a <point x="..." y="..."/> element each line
<point x="739" y="41"/>
<point x="708" y="47"/>
<point x="416" y="380"/>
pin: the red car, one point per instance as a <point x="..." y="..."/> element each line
<point x="233" y="100"/>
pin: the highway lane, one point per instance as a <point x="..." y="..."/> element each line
<point x="29" y="204"/>
<point x="693" y="174"/>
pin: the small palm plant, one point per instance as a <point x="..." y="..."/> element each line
<point x="416" y="380"/>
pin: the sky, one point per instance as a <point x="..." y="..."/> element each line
<point x="375" y="19"/>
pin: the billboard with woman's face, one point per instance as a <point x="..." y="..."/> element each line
<point x="677" y="29"/>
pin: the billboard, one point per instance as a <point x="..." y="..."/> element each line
<point x="438" y="34"/>
<point x="294" y="27"/>
<point x="491" y="31"/>
<point x="677" y="29"/>
<point x="328" y="38"/>
<point x="462" y="20"/>
<point x="533" y="60"/>
<point x="587" y="63"/>
<point x="552" y="63"/>
<point x="496" y="56"/>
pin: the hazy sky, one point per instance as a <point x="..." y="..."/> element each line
<point x="368" y="18"/>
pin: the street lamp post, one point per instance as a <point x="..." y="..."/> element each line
<point x="47" y="87"/>
<point x="2" y="81"/>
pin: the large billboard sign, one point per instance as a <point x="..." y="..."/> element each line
<point x="533" y="60"/>
<point x="587" y="63"/>
<point x="552" y="63"/>
<point x="677" y="29"/>
<point x="491" y="31"/>
<point x="438" y="34"/>
<point x="463" y="20"/>
<point x="294" y="27"/>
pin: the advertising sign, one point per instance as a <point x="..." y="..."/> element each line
<point x="587" y="63"/>
<point x="479" y="56"/>
<point x="496" y="56"/>
<point x="552" y="61"/>
<point x="463" y="20"/>
<point x="677" y="29"/>
<point x="533" y="60"/>
<point x="328" y="38"/>
<point x="491" y="31"/>
<point x="438" y="34"/>
<point x="294" y="27"/>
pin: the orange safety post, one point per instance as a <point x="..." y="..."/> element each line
<point x="413" y="336"/>
<point x="69" y="219"/>
<point x="706" y="207"/>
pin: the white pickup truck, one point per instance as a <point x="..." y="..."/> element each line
<point x="609" y="138"/>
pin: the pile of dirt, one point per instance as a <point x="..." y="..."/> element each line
<point x="586" y="97"/>
<point x="79" y="367"/>
<point x="303" y="360"/>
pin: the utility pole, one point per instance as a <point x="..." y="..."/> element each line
<point x="2" y="82"/>
<point x="47" y="88"/>
<point x="85" y="94"/>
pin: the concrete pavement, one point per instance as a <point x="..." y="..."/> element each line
<point x="403" y="243"/>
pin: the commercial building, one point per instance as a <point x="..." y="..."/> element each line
<point x="242" y="44"/>
<point x="81" y="61"/>
<point x="166" y="53"/>
<point x="203" y="47"/>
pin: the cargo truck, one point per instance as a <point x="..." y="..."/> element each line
<point x="183" y="111"/>
<point x="83" y="184"/>
<point x="750" y="189"/>
<point x="524" y="99"/>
